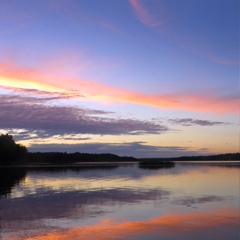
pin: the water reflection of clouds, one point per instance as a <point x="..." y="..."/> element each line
<point x="50" y="186"/>
<point x="195" y="182"/>
<point x="89" y="196"/>
<point x="216" y="224"/>
<point x="38" y="182"/>
<point x="75" y="204"/>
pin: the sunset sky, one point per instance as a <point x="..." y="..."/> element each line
<point x="142" y="78"/>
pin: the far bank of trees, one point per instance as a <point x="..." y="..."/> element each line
<point x="11" y="152"/>
<point x="218" y="157"/>
<point x="77" y="157"/>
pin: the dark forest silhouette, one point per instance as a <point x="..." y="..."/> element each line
<point x="71" y="158"/>
<point x="218" y="157"/>
<point x="10" y="152"/>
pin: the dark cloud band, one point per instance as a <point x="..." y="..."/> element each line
<point x="37" y="114"/>
<point x="191" y="122"/>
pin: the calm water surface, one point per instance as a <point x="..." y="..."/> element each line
<point x="188" y="201"/>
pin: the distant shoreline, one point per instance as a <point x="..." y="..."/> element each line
<point x="60" y="159"/>
<point x="217" y="157"/>
<point x="80" y="164"/>
<point x="116" y="164"/>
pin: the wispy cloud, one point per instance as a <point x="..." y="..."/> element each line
<point x="13" y="77"/>
<point x="222" y="61"/>
<point x="189" y="201"/>
<point x="144" y="16"/>
<point x="31" y="113"/>
<point x="192" y="122"/>
<point x="72" y="197"/>
<point x="162" y="16"/>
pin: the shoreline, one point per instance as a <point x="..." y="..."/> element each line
<point x="115" y="163"/>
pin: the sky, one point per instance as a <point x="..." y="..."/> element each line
<point x="142" y="78"/>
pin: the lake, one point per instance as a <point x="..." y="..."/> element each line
<point x="124" y="201"/>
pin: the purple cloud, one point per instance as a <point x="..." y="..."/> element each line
<point x="32" y="114"/>
<point x="189" y="201"/>
<point x="190" y="122"/>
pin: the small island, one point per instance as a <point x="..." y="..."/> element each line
<point x="155" y="164"/>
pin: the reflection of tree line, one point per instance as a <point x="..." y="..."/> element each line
<point x="155" y="164"/>
<point x="9" y="177"/>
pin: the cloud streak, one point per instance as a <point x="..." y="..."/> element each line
<point x="70" y="200"/>
<point x="15" y="78"/>
<point x="190" y="201"/>
<point x="184" y="41"/>
<point x="144" y="16"/>
<point x="192" y="122"/>
<point x="31" y="113"/>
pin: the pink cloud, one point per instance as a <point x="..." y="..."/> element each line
<point x="204" y="49"/>
<point x="14" y="77"/>
<point x="221" y="61"/>
<point x="144" y="15"/>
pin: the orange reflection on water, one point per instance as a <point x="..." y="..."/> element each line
<point x="175" y="224"/>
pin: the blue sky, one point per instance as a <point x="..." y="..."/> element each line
<point x="143" y="78"/>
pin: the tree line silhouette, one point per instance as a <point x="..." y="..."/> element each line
<point x="13" y="153"/>
<point x="70" y="158"/>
